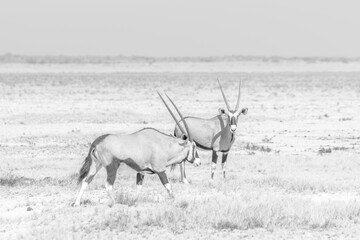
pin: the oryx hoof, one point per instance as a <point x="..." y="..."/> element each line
<point x="137" y="198"/>
<point x="111" y="204"/>
<point x="185" y="181"/>
<point x="171" y="195"/>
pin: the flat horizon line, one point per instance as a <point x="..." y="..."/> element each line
<point x="120" y="58"/>
<point x="177" y="56"/>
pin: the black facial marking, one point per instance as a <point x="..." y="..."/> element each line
<point x="233" y="121"/>
<point x="193" y="152"/>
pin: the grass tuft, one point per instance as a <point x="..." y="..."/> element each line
<point x="126" y="199"/>
<point x="225" y="225"/>
<point x="183" y="204"/>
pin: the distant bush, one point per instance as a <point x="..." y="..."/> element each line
<point x="323" y="150"/>
<point x="340" y="148"/>
<point x="345" y="119"/>
<point x="253" y="147"/>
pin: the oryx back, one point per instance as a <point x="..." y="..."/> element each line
<point x="210" y="134"/>
<point x="142" y="150"/>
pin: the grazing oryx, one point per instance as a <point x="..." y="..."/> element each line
<point x="145" y="151"/>
<point x="216" y="134"/>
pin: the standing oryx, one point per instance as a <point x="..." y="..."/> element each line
<point x="145" y="151"/>
<point x="216" y="134"/>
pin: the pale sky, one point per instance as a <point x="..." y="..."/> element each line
<point x="181" y="28"/>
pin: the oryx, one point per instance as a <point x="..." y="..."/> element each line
<point x="216" y="134"/>
<point x="145" y="151"/>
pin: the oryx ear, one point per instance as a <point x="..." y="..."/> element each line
<point x="244" y="111"/>
<point x="221" y="111"/>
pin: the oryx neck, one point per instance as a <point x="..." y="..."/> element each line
<point x="224" y="119"/>
<point x="225" y="122"/>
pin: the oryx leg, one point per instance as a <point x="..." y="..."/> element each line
<point x="223" y="163"/>
<point x="164" y="180"/>
<point x="111" y="170"/>
<point x="87" y="180"/>
<point x="213" y="163"/>
<point x="183" y="174"/>
<point x="182" y="170"/>
<point x="139" y="182"/>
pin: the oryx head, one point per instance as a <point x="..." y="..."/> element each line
<point x="232" y="115"/>
<point x="189" y="143"/>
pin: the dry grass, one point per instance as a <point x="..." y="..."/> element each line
<point x="308" y="189"/>
<point x="220" y="211"/>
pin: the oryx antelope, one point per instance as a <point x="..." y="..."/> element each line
<point x="145" y="151"/>
<point x="216" y="134"/>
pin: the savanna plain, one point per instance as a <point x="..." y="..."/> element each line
<point x="293" y="171"/>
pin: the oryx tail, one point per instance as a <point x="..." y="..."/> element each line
<point x="85" y="168"/>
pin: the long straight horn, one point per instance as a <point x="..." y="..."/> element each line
<point x="238" y="100"/>
<point x="223" y="94"/>
<point x="182" y="118"/>
<point x="181" y="129"/>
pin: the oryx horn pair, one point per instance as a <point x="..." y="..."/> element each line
<point x="226" y="102"/>
<point x="187" y="132"/>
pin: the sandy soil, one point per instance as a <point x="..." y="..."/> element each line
<point x="302" y="184"/>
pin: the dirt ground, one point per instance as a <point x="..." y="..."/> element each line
<point x="293" y="172"/>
